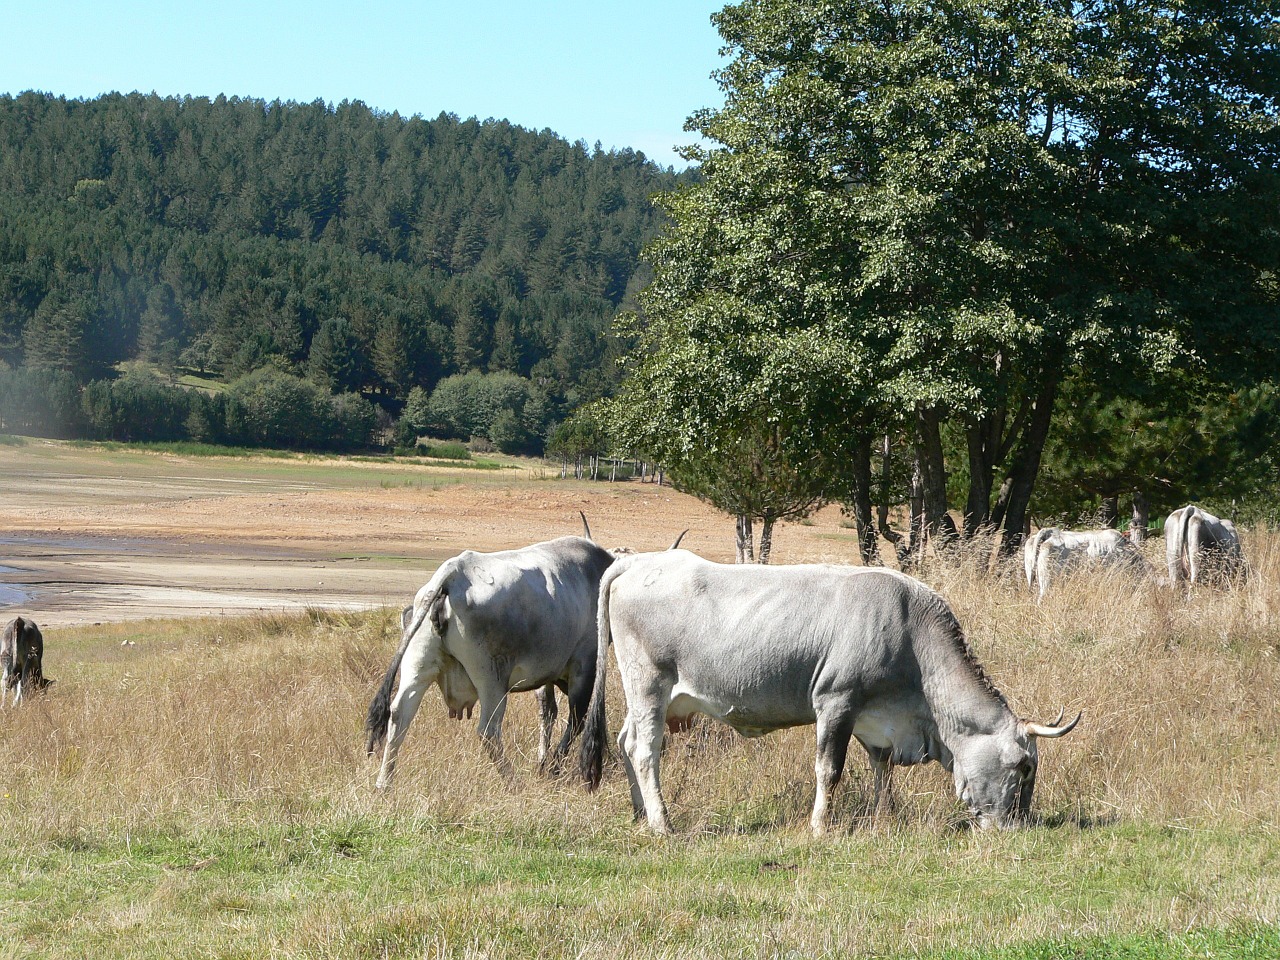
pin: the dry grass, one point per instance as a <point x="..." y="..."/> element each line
<point x="207" y="779"/>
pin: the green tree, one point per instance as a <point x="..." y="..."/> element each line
<point x="969" y="202"/>
<point x="470" y="404"/>
<point x="160" y="328"/>
<point x="64" y="334"/>
<point x="336" y="359"/>
<point x="270" y="408"/>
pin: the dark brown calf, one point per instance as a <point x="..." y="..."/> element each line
<point x="21" y="653"/>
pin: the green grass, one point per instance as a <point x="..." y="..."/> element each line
<point x="388" y="886"/>
<point x="185" y="448"/>
<point x="204" y="791"/>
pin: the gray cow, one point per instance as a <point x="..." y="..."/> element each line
<point x="1194" y="539"/>
<point x="490" y="624"/>
<point x="864" y="653"/>
<point x="21" y="659"/>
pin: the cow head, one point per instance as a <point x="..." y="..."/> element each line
<point x="995" y="773"/>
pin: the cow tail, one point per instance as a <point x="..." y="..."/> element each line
<point x="379" y="718"/>
<point x="591" y="757"/>
<point x="1029" y="552"/>
<point x="1186" y="551"/>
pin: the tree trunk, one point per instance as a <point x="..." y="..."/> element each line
<point x="613" y="470"/>
<point x="564" y="467"/>
<point x="882" y="507"/>
<point x="1140" y="518"/>
<point x="868" y="543"/>
<point x="743" y="540"/>
<point x="915" y="527"/>
<point x="933" y="476"/>
<point x="766" y="538"/>
<point x="660" y="472"/>
<point x="1015" y="492"/>
<point x="982" y="467"/>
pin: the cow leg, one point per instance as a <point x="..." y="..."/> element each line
<point x="834" y="730"/>
<point x="881" y="767"/>
<point x="579" y="696"/>
<point x="493" y="707"/>
<point x="624" y="749"/>
<point x="6" y="675"/>
<point x="547" y="713"/>
<point x="418" y="670"/>
<point x="644" y="747"/>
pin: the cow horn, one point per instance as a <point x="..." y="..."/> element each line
<point x="586" y="527"/>
<point x="677" y="540"/>
<point x="1051" y="730"/>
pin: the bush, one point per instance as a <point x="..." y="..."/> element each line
<point x="501" y="407"/>
<point x="270" y="408"/>
<point x="443" y="450"/>
<point x="136" y="407"/>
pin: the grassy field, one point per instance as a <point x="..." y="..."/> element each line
<point x="199" y="788"/>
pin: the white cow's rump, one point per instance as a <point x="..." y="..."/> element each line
<point x="866" y="654"/>
<point x="490" y="624"/>
<point x="1051" y="552"/>
<point x="1200" y="546"/>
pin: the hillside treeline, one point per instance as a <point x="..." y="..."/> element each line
<point x="366" y="253"/>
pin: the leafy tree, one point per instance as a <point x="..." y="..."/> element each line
<point x="137" y="406"/>
<point x="352" y="421"/>
<point x="64" y="335"/>
<point x="968" y="202"/>
<point x="271" y="408"/>
<point x="160" y="328"/>
<point x="1163" y="449"/>
<point x="40" y="402"/>
<point x="470" y="404"/>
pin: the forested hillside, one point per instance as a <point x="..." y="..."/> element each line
<point x="367" y="253"/>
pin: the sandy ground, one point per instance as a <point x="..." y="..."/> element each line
<point x="91" y="536"/>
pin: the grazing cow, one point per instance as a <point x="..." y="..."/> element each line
<point x="862" y="652"/>
<point x="1196" y="541"/>
<point x="489" y="624"/>
<point x="460" y="695"/>
<point x="1051" y="552"/>
<point x="21" y="656"/>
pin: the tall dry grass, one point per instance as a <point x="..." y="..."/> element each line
<point x="218" y="723"/>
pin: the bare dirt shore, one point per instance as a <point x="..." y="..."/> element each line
<point x="91" y="535"/>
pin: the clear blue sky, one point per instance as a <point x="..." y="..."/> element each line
<point x="625" y="74"/>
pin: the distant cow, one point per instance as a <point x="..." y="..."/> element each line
<point x="490" y="624"/>
<point x="1051" y="552"/>
<point x="1196" y="541"/>
<point x="21" y="656"/>
<point x="865" y="653"/>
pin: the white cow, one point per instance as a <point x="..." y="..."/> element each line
<point x="1051" y="552"/>
<point x="490" y="624"/>
<point x="1196" y="541"/>
<point x="864" y="653"/>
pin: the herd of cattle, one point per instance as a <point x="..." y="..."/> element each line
<point x="1198" y="545"/>
<point x="864" y="653"/>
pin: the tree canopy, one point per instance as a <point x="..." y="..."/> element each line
<point x="917" y="215"/>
